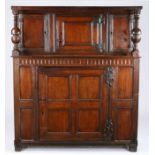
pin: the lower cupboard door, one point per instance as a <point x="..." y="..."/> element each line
<point x="72" y="104"/>
<point x="123" y="106"/>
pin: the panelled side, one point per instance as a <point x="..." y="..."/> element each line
<point x="123" y="103"/>
<point x="24" y="102"/>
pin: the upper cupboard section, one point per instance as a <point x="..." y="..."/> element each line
<point x="86" y="33"/>
<point x="73" y="31"/>
<point x="51" y="33"/>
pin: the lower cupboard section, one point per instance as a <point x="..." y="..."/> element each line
<point x="59" y="125"/>
<point x="73" y="104"/>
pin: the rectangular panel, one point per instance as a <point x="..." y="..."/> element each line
<point x="26" y="83"/>
<point x="124" y="124"/>
<point x="74" y="32"/>
<point x="77" y="33"/>
<point x="120" y="36"/>
<point x="89" y="87"/>
<point x="58" y="121"/>
<point x="125" y="83"/>
<point x="26" y="123"/>
<point x="88" y="120"/>
<point x="33" y="31"/>
<point x="58" y="87"/>
<point x="80" y="33"/>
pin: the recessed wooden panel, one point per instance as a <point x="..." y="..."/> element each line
<point x="120" y="32"/>
<point x="33" y="31"/>
<point x="88" y="120"/>
<point x="26" y="123"/>
<point x="125" y="83"/>
<point x="26" y="83"/>
<point x="58" y="121"/>
<point x="124" y="124"/>
<point x="77" y="33"/>
<point x="58" y="87"/>
<point x="89" y="87"/>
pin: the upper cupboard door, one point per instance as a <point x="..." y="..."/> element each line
<point x="81" y="34"/>
<point x="32" y="26"/>
<point x="120" y="33"/>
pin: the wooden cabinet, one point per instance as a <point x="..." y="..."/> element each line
<point x="76" y="75"/>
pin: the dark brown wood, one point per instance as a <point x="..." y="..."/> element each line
<point x="33" y="31"/>
<point x="136" y="33"/>
<point x="120" y="32"/>
<point x="76" y="75"/>
<point x="15" y="34"/>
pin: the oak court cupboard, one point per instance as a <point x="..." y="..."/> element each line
<point x="76" y="75"/>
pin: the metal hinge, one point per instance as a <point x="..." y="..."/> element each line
<point x="109" y="76"/>
<point x="99" y="19"/>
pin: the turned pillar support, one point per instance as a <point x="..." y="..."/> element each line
<point x="15" y="32"/>
<point x="136" y="33"/>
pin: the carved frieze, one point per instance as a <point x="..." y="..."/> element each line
<point x="75" y="61"/>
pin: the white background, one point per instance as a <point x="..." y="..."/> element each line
<point x="8" y="79"/>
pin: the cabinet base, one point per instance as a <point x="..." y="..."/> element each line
<point x="131" y="146"/>
<point x="21" y="145"/>
<point x="18" y="145"/>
